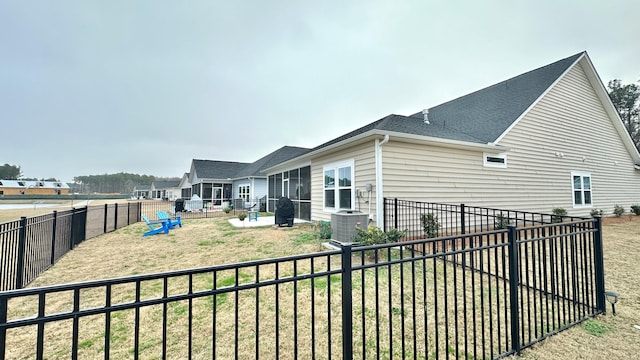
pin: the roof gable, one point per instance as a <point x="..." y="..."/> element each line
<point x="214" y="169"/>
<point x="487" y="113"/>
<point x="281" y="155"/>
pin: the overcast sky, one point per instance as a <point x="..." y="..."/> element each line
<point x="95" y="87"/>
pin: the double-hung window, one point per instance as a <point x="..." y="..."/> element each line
<point x="339" y="186"/>
<point x="581" y="186"/>
<point x="244" y="192"/>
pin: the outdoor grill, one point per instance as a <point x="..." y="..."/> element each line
<point x="179" y="205"/>
<point x="284" y="212"/>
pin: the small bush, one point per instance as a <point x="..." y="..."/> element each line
<point x="558" y="214"/>
<point x="226" y="210"/>
<point x="501" y="222"/>
<point x="394" y="235"/>
<point x="635" y="209"/>
<point x="597" y="212"/>
<point x="430" y="225"/>
<point x="242" y="216"/>
<point x="323" y="230"/>
<point x="618" y="210"/>
<point x="374" y="235"/>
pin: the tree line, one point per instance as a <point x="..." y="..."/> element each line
<point x="121" y="183"/>
<point x="626" y="99"/>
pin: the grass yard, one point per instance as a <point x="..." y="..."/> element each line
<point x="207" y="242"/>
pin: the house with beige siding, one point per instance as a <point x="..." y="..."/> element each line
<point x="548" y="138"/>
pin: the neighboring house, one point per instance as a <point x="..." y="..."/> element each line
<point x="165" y="190"/>
<point x="141" y="191"/>
<point x="219" y="182"/>
<point x="549" y="138"/>
<point x="185" y="187"/>
<point x="30" y="187"/>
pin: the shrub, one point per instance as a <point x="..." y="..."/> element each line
<point x="501" y="222"/>
<point x="373" y="235"/>
<point x="635" y="209"/>
<point x="226" y="210"/>
<point x="242" y="216"/>
<point x="323" y="230"/>
<point x="430" y="225"/>
<point x="596" y="212"/>
<point x="558" y="214"/>
<point x="618" y="210"/>
<point x="394" y="235"/>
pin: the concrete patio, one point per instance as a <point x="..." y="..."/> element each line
<point x="262" y="221"/>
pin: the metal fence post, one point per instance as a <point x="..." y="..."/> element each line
<point x="53" y="237"/>
<point x="128" y="213"/>
<point x="106" y="211"/>
<point x="599" y="265"/>
<point x="463" y="224"/>
<point x="384" y="214"/>
<point x="115" y="218"/>
<point x="3" y="331"/>
<point x="73" y="220"/>
<point x="513" y="288"/>
<point x="21" y="247"/>
<point x="395" y="213"/>
<point x="347" y="304"/>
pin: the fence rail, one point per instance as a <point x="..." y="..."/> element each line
<point x="474" y="295"/>
<point x="30" y="246"/>
<point x="455" y="219"/>
<point x="198" y="209"/>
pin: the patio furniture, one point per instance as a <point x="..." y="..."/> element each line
<point x="252" y="215"/>
<point x="164" y="226"/>
<point x="173" y="220"/>
<point x="284" y="212"/>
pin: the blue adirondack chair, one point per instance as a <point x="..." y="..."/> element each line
<point x="164" y="226"/>
<point x="173" y="220"/>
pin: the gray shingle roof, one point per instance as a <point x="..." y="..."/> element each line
<point x="281" y="155"/>
<point x="213" y="169"/>
<point x="479" y="117"/>
<point x="166" y="184"/>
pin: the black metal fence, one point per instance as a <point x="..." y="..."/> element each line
<point x="198" y="209"/>
<point x="29" y="246"/>
<point x="455" y="219"/>
<point x="481" y="295"/>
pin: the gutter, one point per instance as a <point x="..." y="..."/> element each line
<point x="379" y="186"/>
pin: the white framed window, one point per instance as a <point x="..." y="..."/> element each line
<point x="495" y="160"/>
<point x="339" y="186"/>
<point x="244" y="192"/>
<point x="581" y="187"/>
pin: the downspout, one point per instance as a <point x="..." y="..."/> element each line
<point x="379" y="187"/>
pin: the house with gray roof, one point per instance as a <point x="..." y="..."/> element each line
<point x="217" y="183"/>
<point x="165" y="190"/>
<point x="548" y="138"/>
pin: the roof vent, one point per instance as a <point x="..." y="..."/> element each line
<point x="425" y="113"/>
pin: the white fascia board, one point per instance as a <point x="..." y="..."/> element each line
<point x="456" y="144"/>
<point x="524" y="113"/>
<point x="249" y="177"/>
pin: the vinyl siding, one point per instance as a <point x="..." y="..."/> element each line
<point x="259" y="188"/>
<point x="569" y="119"/>
<point x="364" y="172"/>
<point x="572" y="121"/>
